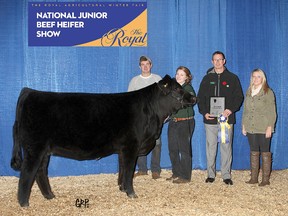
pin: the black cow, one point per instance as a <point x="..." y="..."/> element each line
<point x="86" y="126"/>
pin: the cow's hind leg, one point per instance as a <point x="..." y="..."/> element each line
<point x="120" y="174"/>
<point x="27" y="178"/>
<point x="42" y="178"/>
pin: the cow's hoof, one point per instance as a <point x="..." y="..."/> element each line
<point x="121" y="188"/>
<point x="49" y="196"/>
<point x="133" y="195"/>
<point x="25" y="204"/>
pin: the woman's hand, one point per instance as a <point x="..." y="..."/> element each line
<point x="244" y="132"/>
<point x="268" y="132"/>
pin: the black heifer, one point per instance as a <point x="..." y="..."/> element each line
<point x="85" y="126"/>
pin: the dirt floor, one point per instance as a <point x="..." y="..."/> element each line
<point x="100" y="195"/>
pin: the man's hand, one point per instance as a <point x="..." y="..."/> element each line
<point x="208" y="116"/>
<point x="227" y="112"/>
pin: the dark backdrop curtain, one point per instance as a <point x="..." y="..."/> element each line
<point x="252" y="34"/>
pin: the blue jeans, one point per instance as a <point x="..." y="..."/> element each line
<point x="155" y="159"/>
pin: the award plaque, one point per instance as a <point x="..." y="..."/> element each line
<point x="217" y="106"/>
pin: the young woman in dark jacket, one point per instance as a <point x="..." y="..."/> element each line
<point x="180" y="131"/>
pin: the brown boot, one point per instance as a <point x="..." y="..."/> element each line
<point x="254" y="164"/>
<point x="140" y="173"/>
<point x="180" y="181"/>
<point x="266" y="168"/>
<point x="155" y="175"/>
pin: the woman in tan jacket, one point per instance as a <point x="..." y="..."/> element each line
<point x="258" y="122"/>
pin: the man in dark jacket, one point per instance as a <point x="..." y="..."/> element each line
<point x="219" y="83"/>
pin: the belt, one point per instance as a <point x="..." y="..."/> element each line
<point x="181" y="119"/>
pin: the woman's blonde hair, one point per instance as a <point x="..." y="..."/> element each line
<point x="265" y="85"/>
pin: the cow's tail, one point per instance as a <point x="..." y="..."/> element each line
<point x="17" y="159"/>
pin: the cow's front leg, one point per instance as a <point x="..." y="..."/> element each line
<point x="129" y="167"/>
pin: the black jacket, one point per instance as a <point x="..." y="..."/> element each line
<point x="225" y="85"/>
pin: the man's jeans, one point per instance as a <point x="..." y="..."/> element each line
<point x="155" y="159"/>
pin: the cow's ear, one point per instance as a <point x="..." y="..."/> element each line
<point x="165" y="84"/>
<point x="167" y="77"/>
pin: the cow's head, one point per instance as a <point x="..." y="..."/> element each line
<point x="172" y="88"/>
